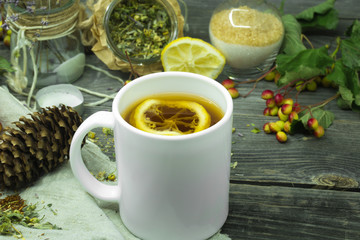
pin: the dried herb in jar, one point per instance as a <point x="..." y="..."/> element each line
<point x="140" y="27"/>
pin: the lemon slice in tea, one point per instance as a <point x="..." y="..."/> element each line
<point x="168" y="117"/>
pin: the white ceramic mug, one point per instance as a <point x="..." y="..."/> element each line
<point x="169" y="187"/>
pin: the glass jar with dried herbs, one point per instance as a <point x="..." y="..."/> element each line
<point x="138" y="30"/>
<point x="46" y="47"/>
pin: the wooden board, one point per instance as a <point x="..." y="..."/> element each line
<point x="284" y="213"/>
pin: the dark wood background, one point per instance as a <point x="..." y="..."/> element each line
<point x="306" y="188"/>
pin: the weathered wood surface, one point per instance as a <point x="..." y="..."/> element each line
<point x="305" y="189"/>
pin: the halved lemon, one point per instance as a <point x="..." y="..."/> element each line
<point x="170" y="117"/>
<point x="192" y="55"/>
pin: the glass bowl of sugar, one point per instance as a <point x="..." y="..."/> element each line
<point x="249" y="33"/>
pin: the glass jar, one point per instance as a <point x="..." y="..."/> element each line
<point x="49" y="41"/>
<point x="249" y="33"/>
<point x="140" y="35"/>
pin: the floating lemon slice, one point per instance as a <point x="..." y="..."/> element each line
<point x="192" y="55"/>
<point x="167" y="117"/>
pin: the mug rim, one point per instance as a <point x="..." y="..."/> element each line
<point x="227" y="113"/>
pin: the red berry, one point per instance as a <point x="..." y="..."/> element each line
<point x="7" y="40"/>
<point x="318" y="80"/>
<point x="300" y="85"/>
<point x="282" y="116"/>
<point x="288" y="101"/>
<point x="274" y="111"/>
<point x="286" y="109"/>
<point x="270" y="76"/>
<point x="234" y="92"/>
<point x="287" y="127"/>
<point x="281" y="136"/>
<point x="280" y="124"/>
<point x="267" y="94"/>
<point x="228" y="83"/>
<point x="311" y="86"/>
<point x="279" y="99"/>
<point x="325" y="82"/>
<point x="296" y="107"/>
<point x="270" y="103"/>
<point x="266" y="128"/>
<point x="266" y="112"/>
<point x="293" y="116"/>
<point x="274" y="127"/>
<point x="319" y="132"/>
<point x="313" y="124"/>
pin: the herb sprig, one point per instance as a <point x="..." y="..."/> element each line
<point x="15" y="211"/>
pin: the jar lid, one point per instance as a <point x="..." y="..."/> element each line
<point x="139" y="30"/>
<point x="58" y="94"/>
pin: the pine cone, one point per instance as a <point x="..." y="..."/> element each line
<point x="37" y="146"/>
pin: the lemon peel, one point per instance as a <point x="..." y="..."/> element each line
<point x="169" y="117"/>
<point x="193" y="55"/>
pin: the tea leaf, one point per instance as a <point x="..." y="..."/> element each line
<point x="141" y="29"/>
<point x="14" y="210"/>
<point x="233" y="165"/>
<point x="255" y="130"/>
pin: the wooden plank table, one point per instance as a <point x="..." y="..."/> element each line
<point x="306" y="188"/>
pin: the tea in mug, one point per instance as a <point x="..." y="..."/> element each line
<point x="173" y="114"/>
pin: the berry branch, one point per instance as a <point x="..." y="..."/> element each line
<point x="259" y="79"/>
<point x="230" y="85"/>
<point x="323" y="103"/>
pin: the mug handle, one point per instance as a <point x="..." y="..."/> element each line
<point x="87" y="180"/>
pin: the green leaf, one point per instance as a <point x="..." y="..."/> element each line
<point x="343" y="104"/>
<point x="325" y="118"/>
<point x="255" y="130"/>
<point x="357" y="99"/>
<point x="304" y="65"/>
<point x="310" y="13"/>
<point x="297" y="127"/>
<point x="292" y="43"/>
<point x="345" y="77"/>
<point x="346" y="94"/>
<point x="281" y="8"/>
<point x="321" y="16"/>
<point x="354" y="30"/>
<point x="347" y="98"/>
<point x="356" y="104"/>
<point x="302" y="72"/>
<point x="5" y="65"/>
<point x="350" y="52"/>
<point x="328" y="21"/>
